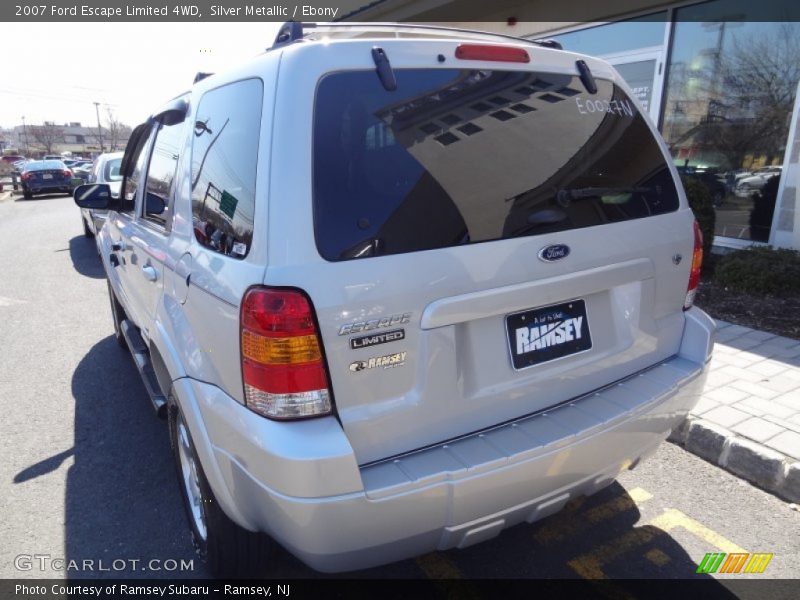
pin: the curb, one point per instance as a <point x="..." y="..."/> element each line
<point x="761" y="466"/>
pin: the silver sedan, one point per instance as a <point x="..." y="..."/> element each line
<point x="106" y="169"/>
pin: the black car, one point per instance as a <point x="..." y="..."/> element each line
<point x="710" y="178"/>
<point x="43" y="176"/>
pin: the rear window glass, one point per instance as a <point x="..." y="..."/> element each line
<point x="463" y="156"/>
<point x="45" y="165"/>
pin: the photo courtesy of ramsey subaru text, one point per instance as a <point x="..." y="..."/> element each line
<point x="398" y="288"/>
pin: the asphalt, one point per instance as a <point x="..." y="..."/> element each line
<point x="87" y="473"/>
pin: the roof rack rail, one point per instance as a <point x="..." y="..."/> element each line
<point x="292" y="31"/>
<point x="200" y="76"/>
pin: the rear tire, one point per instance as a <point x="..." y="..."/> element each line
<point x="118" y="314"/>
<point x="227" y="549"/>
<point x="27" y="195"/>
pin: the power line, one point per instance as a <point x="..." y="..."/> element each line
<point x="51" y="97"/>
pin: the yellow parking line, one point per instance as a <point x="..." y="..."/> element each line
<point x="672" y="518"/>
<point x="589" y="566"/>
<point x="565" y="526"/>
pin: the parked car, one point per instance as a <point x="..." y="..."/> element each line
<point x="45" y="176"/>
<point x="106" y="169"/>
<point x="403" y="292"/>
<point x="754" y="182"/>
<point x="11" y="162"/>
<point x="82" y="170"/>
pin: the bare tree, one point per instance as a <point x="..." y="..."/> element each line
<point x="115" y="130"/>
<point x="749" y="94"/>
<point x="47" y="135"/>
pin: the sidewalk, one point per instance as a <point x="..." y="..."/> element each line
<point x="748" y="421"/>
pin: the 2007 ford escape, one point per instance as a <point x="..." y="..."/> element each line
<point x="398" y="288"/>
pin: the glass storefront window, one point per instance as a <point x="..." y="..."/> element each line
<point x="729" y="96"/>
<point x="613" y="38"/>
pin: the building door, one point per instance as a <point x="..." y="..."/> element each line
<point x="643" y="71"/>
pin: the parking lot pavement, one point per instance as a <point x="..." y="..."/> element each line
<point x="87" y="472"/>
<point x="748" y="420"/>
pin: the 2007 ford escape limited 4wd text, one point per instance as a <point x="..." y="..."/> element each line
<point x="397" y="288"/>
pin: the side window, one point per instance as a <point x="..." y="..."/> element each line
<point x="161" y="172"/>
<point x="224" y="157"/>
<point x="131" y="184"/>
<point x="95" y="173"/>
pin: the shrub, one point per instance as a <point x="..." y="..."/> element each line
<point x="702" y="205"/>
<point x="761" y="271"/>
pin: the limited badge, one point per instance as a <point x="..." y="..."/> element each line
<point x="378" y="338"/>
<point x="386" y="362"/>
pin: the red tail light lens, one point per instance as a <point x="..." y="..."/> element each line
<point x="493" y="53"/>
<point x="694" y="274"/>
<point x="282" y="365"/>
<point x="67" y="173"/>
<point x="27" y="175"/>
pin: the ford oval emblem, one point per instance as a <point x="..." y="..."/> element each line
<point x="554" y="252"/>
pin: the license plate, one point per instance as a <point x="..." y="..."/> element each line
<point x="47" y="176"/>
<point x="543" y="334"/>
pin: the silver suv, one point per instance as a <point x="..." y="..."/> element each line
<point x="399" y="288"/>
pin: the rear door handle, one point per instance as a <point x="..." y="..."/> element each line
<point x="149" y="273"/>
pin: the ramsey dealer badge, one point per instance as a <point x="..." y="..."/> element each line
<point x="387" y="362"/>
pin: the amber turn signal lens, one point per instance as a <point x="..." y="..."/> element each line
<point x="281" y="350"/>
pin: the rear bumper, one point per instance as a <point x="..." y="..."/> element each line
<point x="300" y="482"/>
<point x="43" y="189"/>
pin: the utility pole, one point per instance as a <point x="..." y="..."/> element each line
<point x="25" y="133"/>
<point x="99" y="129"/>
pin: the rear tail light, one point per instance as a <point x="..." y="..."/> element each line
<point x="26" y="176"/>
<point x="694" y="274"/>
<point x="67" y="173"/>
<point x="493" y="53"/>
<point x="283" y="368"/>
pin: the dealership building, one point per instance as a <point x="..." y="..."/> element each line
<point x="719" y="78"/>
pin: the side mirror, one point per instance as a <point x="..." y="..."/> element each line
<point x="95" y="195"/>
<point x="155" y="204"/>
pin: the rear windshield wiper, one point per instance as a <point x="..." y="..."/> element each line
<point x="566" y="196"/>
<point x="538" y="219"/>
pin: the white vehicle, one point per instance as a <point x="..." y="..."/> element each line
<point x="106" y="169"/>
<point x="756" y="180"/>
<point x="413" y="287"/>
